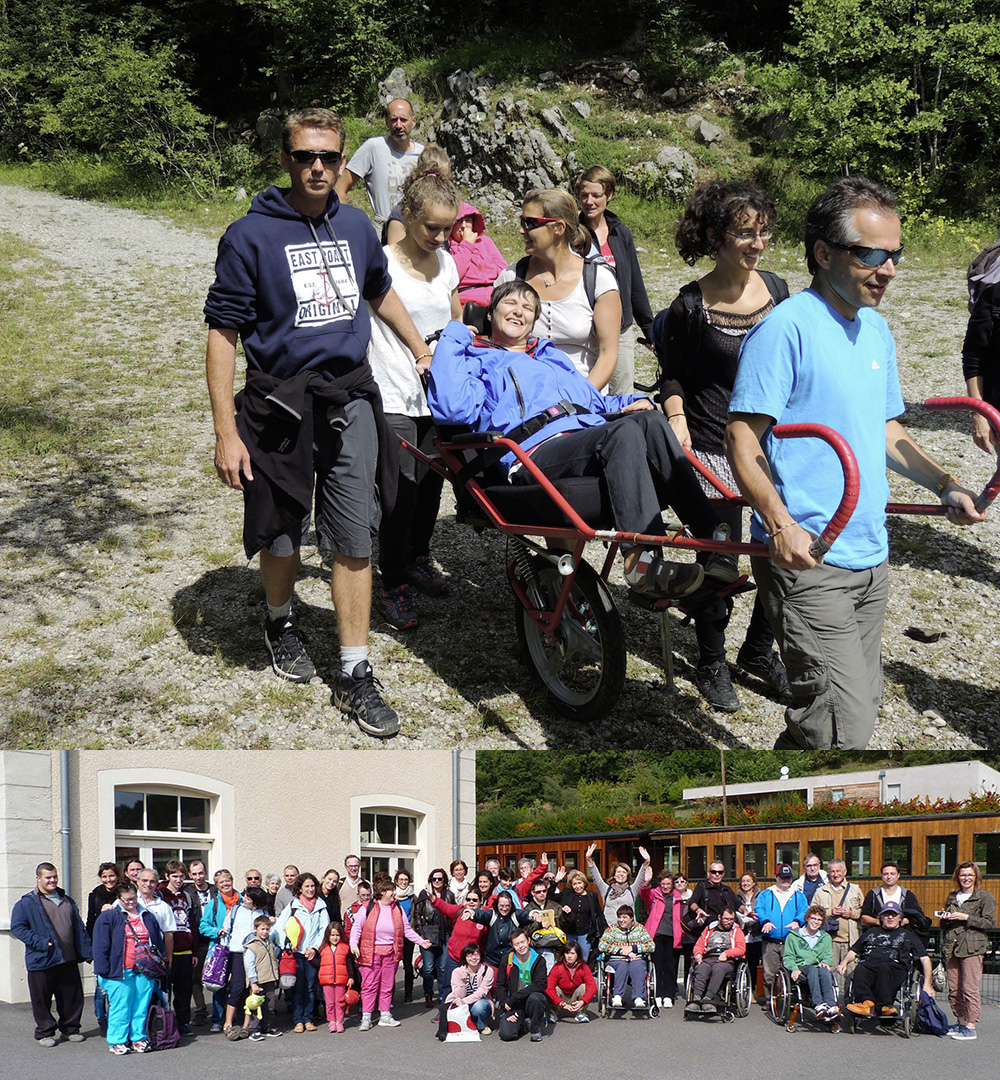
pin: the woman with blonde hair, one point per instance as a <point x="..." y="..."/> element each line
<point x="580" y="310"/>
<point x="969" y="912"/>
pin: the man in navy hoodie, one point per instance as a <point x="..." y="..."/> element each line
<point x="292" y="278"/>
<point x="56" y="942"/>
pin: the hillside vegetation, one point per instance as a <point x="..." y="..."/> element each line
<point x="152" y="97"/>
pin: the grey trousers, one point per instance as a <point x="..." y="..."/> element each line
<point x="828" y="623"/>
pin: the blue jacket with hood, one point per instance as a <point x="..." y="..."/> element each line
<point x="481" y="385"/>
<point x="272" y="285"/>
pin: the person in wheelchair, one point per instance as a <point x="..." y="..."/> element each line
<point x="715" y="954"/>
<point x="808" y="956"/>
<point x="624" y="946"/>
<point x="530" y="390"/>
<point x="884" y="958"/>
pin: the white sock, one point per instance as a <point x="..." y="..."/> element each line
<point x="351" y="656"/>
<point x="281" y="612"/>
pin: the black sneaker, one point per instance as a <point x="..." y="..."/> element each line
<point x="714" y="683"/>
<point x="397" y="604"/>
<point x="721" y="567"/>
<point x="358" y="695"/>
<point x="286" y="644"/>
<point x="426" y="578"/>
<point x="769" y="669"/>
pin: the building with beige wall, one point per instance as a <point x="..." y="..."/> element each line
<point x="234" y="808"/>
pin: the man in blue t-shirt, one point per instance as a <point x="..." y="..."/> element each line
<point x="826" y="357"/>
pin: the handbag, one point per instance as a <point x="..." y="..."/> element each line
<point x="930" y="1017"/>
<point x="461" y="1026"/>
<point x="287" y="968"/>
<point x="149" y="961"/>
<point x="215" y="973"/>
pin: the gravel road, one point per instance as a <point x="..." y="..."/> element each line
<point x="130" y="616"/>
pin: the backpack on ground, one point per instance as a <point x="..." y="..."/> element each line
<point x="984" y="270"/>
<point x="162" y="1030"/>
<point x="930" y="1017"/>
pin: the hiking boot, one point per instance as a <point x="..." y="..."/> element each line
<point x="716" y="686"/>
<point x="286" y="644"/>
<point x="861" y="1008"/>
<point x="426" y="578"/>
<point x="720" y="567"/>
<point x="769" y="669"/>
<point x="358" y="695"/>
<point x="664" y="580"/>
<point x="397" y="604"/>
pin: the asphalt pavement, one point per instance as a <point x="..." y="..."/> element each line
<point x="751" y="1049"/>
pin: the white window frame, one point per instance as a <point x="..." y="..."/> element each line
<point x="422" y="853"/>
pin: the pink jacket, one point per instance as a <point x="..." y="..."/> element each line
<point x="655" y="903"/>
<point x="479" y="263"/>
<point x="483" y="984"/>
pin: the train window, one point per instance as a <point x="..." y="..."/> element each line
<point x="824" y="849"/>
<point x="697" y="863"/>
<point x="755" y="860"/>
<point x="986" y="852"/>
<point x="858" y="856"/>
<point x="571" y="859"/>
<point x="726" y="854"/>
<point x="899" y="849"/>
<point x="942" y="854"/>
<point x="787" y="851"/>
<point x="672" y="858"/>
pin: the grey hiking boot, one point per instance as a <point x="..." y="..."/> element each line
<point x="286" y="644"/>
<point x="358" y="694"/>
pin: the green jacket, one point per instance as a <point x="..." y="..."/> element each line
<point x="968" y="938"/>
<point x="799" y="953"/>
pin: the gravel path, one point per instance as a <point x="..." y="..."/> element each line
<point x="130" y="616"/>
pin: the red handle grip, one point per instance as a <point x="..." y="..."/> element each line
<point x="852" y="485"/>
<point x="952" y="404"/>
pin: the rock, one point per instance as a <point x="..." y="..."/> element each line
<point x="672" y="174"/>
<point x="394" y="85"/>
<point x="557" y="122"/>
<point x="669" y="95"/>
<point x="693" y="121"/>
<point x="709" y="133"/>
<point x="547" y="77"/>
<point x="583" y="108"/>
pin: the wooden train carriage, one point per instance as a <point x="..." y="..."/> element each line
<point x="927" y="848"/>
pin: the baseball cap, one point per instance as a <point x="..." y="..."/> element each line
<point x="784" y="870"/>
<point x="891" y="908"/>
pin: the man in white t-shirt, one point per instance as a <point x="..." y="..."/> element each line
<point x="151" y="900"/>
<point x="384" y="162"/>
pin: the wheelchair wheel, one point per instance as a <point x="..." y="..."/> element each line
<point x="781" y="998"/>
<point x="600" y="977"/>
<point x="582" y="667"/>
<point x="741" y="990"/>
<point x="910" y="1000"/>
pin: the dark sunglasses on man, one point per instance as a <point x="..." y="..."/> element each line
<point x="307" y="157"/>
<point x="869" y="256"/>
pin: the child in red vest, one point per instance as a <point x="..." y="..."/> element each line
<point x="338" y="973"/>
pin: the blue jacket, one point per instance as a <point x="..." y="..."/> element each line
<point x="31" y="926"/>
<point x="271" y="285"/>
<point x="487" y="388"/>
<point x="769" y="910"/>
<point x="213" y="916"/>
<point x="109" y="940"/>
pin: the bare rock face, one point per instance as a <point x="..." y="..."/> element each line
<point x="555" y="120"/>
<point x="394" y="85"/>
<point x="671" y="175"/>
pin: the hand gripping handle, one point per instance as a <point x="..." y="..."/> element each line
<point x="822" y="544"/>
<point x="951" y="404"/>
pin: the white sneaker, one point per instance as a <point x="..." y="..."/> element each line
<point x="616" y="1001"/>
<point x="386" y="1019"/>
<point x="667" y="1003"/>
<point x="366" y="1022"/>
<point x="639" y="1003"/>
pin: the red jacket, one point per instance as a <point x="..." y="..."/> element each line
<point x="463" y="931"/>
<point x="336" y="966"/>
<point x="737" y="943"/>
<point x="568" y="979"/>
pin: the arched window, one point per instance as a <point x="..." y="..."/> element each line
<point x="393" y="833"/>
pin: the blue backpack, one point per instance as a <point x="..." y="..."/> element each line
<point x="930" y="1017"/>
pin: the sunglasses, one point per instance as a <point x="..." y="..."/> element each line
<point x="869" y="256"/>
<point x="529" y="224"/>
<point x="307" y="157"/>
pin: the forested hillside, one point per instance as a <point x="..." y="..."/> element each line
<point x="170" y="92"/>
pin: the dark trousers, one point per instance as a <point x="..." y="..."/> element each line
<point x="877" y="982"/>
<point x="408" y="976"/>
<point x="181" y="982"/>
<point x="709" y="976"/>
<point x="405" y="534"/>
<point x="266" y="1022"/>
<point x="643" y="465"/>
<point x="710" y="622"/>
<point x="530" y="1017"/>
<point x="665" y="966"/>
<point x="61" y="982"/>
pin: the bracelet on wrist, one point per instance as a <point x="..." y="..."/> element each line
<point x="673" y="414"/>
<point x="782" y="529"/>
<point x="943" y="483"/>
<point x="422" y="356"/>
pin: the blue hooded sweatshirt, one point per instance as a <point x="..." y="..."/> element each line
<point x="272" y="286"/>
